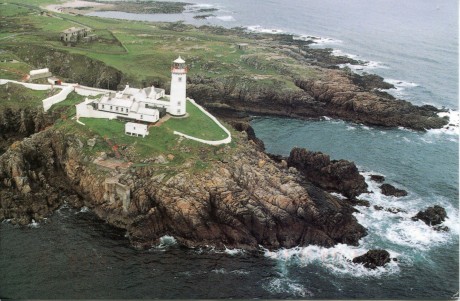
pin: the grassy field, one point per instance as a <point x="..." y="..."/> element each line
<point x="16" y="96"/>
<point x="144" y="50"/>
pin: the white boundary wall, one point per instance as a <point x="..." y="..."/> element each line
<point x="48" y="102"/>
<point x="209" y="142"/>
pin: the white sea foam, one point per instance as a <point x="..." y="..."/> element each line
<point x="284" y="285"/>
<point x="350" y="128"/>
<point x="33" y="224"/>
<point x="452" y="128"/>
<point x="337" y="259"/>
<point x="320" y="41"/>
<point x="166" y="242"/>
<point x="224" y="18"/>
<point x="366" y="66"/>
<point x="258" y="28"/>
<point x="233" y="252"/>
<point x="235" y="272"/>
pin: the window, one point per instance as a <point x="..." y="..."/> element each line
<point x="142" y="117"/>
<point x="178" y="103"/>
<point x="178" y="111"/>
<point x="110" y="108"/>
<point x="102" y="106"/>
<point x="116" y="109"/>
<point x="180" y="78"/>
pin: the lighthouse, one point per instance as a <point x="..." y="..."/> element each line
<point x="178" y="84"/>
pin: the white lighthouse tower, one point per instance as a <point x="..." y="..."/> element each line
<point x="178" y="84"/>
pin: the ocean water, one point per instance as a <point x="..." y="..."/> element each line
<point x="413" y="44"/>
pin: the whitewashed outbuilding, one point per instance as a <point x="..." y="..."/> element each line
<point x="136" y="129"/>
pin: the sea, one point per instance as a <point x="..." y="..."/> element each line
<point x="413" y="44"/>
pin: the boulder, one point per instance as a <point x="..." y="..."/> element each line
<point x="373" y="259"/>
<point x="378" y="178"/>
<point x="390" y="190"/>
<point x="432" y="215"/>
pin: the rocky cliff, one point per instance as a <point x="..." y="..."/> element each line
<point x="245" y="201"/>
<point x="336" y="94"/>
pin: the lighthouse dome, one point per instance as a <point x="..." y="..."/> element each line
<point x="179" y="60"/>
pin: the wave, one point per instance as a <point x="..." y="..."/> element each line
<point x="393" y="230"/>
<point x="33" y="224"/>
<point x="166" y="242"/>
<point x="317" y="40"/>
<point x="337" y="259"/>
<point x="235" y="272"/>
<point x="224" y="18"/>
<point x="284" y="285"/>
<point x="258" y="28"/>
<point x="452" y="128"/>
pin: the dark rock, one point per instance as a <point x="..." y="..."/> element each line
<point x="337" y="175"/>
<point x="390" y="190"/>
<point x="432" y="215"/>
<point x="359" y="202"/>
<point x="373" y="259"/>
<point x="377" y="178"/>
<point x="441" y="228"/>
<point x="378" y="208"/>
<point x="244" y="126"/>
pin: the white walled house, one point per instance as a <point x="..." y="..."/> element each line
<point x="136" y="129"/>
<point x="141" y="105"/>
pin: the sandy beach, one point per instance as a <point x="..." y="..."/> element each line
<point x="76" y="6"/>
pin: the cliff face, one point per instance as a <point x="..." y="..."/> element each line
<point x="247" y="201"/>
<point x="16" y="124"/>
<point x="72" y="67"/>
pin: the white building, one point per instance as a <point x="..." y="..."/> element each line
<point x="178" y="87"/>
<point x="136" y="129"/>
<point x="141" y="105"/>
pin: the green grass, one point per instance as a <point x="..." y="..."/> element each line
<point x="197" y="125"/>
<point x="67" y="107"/>
<point x="16" y="96"/>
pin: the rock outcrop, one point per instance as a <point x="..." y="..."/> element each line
<point x="373" y="259"/>
<point x="332" y="175"/>
<point x="390" y="190"/>
<point x="246" y="202"/>
<point x="432" y="215"/>
<point x="334" y="95"/>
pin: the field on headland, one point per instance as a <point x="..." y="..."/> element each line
<point x="144" y="51"/>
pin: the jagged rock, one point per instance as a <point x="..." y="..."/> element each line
<point x="337" y="175"/>
<point x="244" y="126"/>
<point x="373" y="259"/>
<point x="378" y="178"/>
<point x="391" y="209"/>
<point x="238" y="204"/>
<point x="91" y="142"/>
<point x="390" y="190"/>
<point x="432" y="215"/>
<point x="161" y="160"/>
<point x="359" y="202"/>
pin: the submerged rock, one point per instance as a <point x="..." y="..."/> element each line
<point x="390" y="190"/>
<point x="432" y="215"/>
<point x="373" y="259"/>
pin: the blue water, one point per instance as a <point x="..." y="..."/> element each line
<point x="412" y="43"/>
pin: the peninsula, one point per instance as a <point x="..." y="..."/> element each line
<point x="227" y="195"/>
